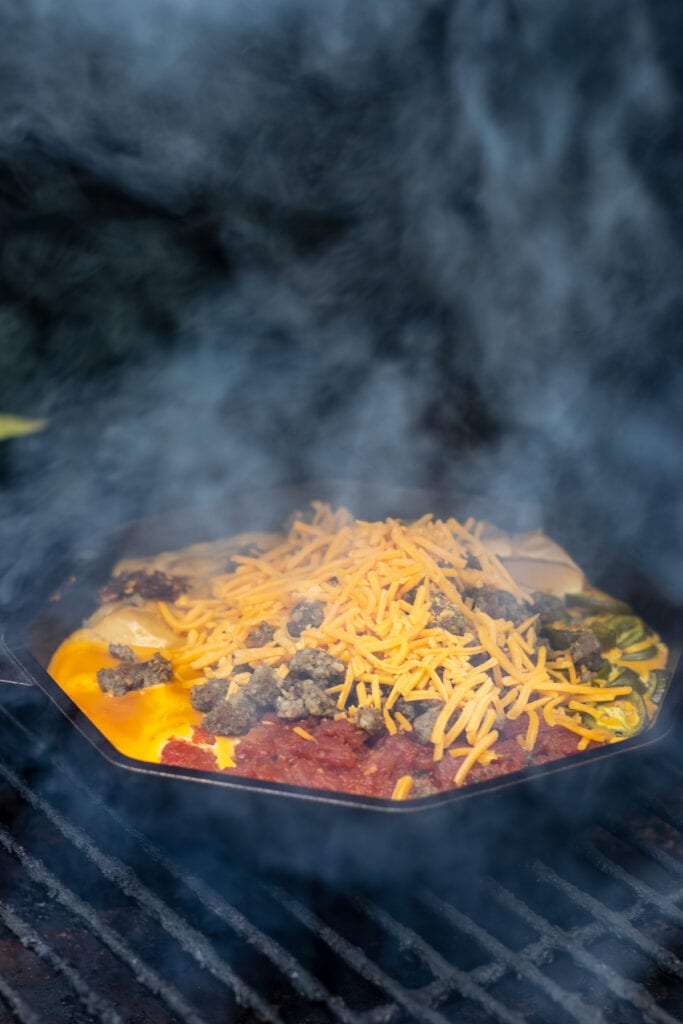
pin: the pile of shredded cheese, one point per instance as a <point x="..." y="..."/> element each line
<point x="393" y="647"/>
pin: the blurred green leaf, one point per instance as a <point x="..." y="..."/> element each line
<point x="17" y="426"/>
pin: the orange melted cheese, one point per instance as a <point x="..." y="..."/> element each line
<point x="138" y="724"/>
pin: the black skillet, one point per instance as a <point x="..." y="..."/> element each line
<point x="279" y="826"/>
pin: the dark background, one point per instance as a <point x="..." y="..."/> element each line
<point x="433" y="243"/>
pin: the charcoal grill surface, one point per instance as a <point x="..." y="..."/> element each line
<point x="97" y="923"/>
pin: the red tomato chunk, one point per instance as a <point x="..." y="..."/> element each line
<point x="344" y="759"/>
<point x="187" y="755"/>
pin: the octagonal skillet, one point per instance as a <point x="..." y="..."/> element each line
<point x="284" y="826"/>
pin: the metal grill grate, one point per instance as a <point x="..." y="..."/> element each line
<point x="98" y="924"/>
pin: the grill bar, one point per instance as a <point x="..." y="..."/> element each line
<point x="450" y="976"/>
<point x="664" y="959"/>
<point x="187" y="937"/>
<point x="38" y="873"/>
<point x="518" y="961"/>
<point x="661" y="857"/>
<point x="665" y="904"/>
<point x="303" y="982"/>
<point x="356" y="958"/>
<point x="537" y="952"/>
<point x="555" y="937"/>
<point x="94" y="1003"/>
<point x="471" y="989"/>
<point x="21" y="1010"/>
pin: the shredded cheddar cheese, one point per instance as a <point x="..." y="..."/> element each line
<point x="402" y="787"/>
<point x="375" y="581"/>
<point x="304" y="735"/>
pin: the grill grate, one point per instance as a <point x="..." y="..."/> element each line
<point x="99" y="924"/>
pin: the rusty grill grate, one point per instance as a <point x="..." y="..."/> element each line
<point x="98" y="924"/>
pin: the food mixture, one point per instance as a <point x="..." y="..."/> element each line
<point x="388" y="659"/>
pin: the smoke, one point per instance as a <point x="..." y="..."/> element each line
<point x="253" y="243"/>
<point x="246" y="244"/>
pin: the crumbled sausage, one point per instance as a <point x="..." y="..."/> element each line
<point x="310" y="672"/>
<point x="559" y="637"/>
<point x="316" y="701"/>
<point x="424" y="724"/>
<point x="498" y="604"/>
<point x="447" y="616"/>
<point x="319" y="666"/>
<point x="134" y="675"/>
<point x="579" y="641"/>
<point x="156" y="670"/>
<point x="205" y="696"/>
<point x="453" y="622"/>
<point x="148" y="586"/>
<point x="304" y="615"/>
<point x="262" y="688"/>
<point x="232" y="717"/>
<point x="261" y="635"/>
<point x="117" y="681"/>
<point x="586" y="651"/>
<point x="369" y="719"/>
<point x="122" y="652"/>
<point x="410" y="709"/>
<point x="290" y="708"/>
<point x="549" y="606"/>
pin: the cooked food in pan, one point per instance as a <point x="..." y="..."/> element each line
<point x="386" y="658"/>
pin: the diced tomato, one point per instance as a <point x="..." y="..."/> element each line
<point x="510" y="758"/>
<point x="553" y="743"/>
<point x="187" y="755"/>
<point x="344" y="759"/>
<point x="202" y="737"/>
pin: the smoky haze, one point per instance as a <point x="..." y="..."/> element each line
<point x="432" y="244"/>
